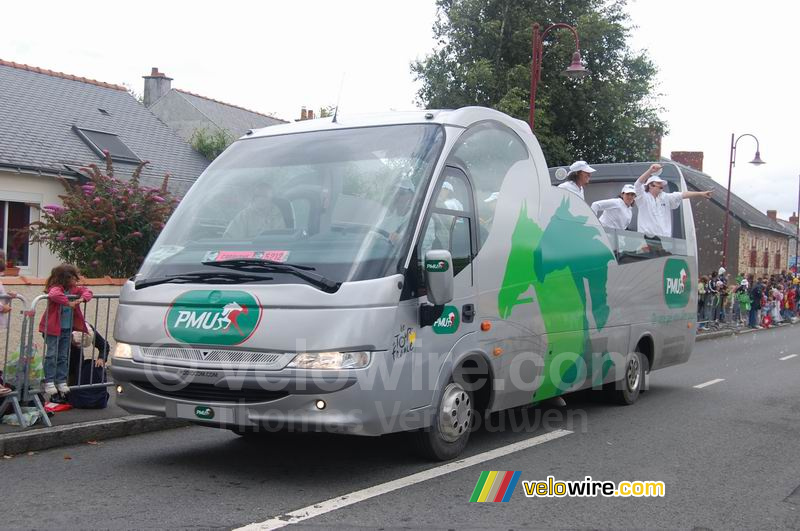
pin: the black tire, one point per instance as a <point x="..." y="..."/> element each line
<point x="626" y="391"/>
<point x="441" y="442"/>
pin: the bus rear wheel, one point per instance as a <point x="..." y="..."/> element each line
<point x="627" y="390"/>
<point x="447" y="437"/>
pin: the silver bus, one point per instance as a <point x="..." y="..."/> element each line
<point x="397" y="272"/>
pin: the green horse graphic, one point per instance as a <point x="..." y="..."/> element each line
<point x="562" y="264"/>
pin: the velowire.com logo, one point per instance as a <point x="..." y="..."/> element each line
<point x="495" y="486"/>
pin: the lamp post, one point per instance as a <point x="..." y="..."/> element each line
<point x="797" y="233"/>
<point x="574" y="71"/>
<point x="756" y="161"/>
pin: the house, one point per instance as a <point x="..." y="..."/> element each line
<point x="52" y="124"/>
<point x="757" y="243"/>
<point x="790" y="226"/>
<point x="186" y="112"/>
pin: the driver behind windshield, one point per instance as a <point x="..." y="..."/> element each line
<point x="395" y="220"/>
<point x="259" y="215"/>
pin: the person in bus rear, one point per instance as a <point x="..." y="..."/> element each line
<point x="656" y="206"/>
<point x="62" y="317"/>
<point x="616" y="212"/>
<point x="578" y="178"/>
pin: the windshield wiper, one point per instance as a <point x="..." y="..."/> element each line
<point x="203" y="277"/>
<point x="257" y="265"/>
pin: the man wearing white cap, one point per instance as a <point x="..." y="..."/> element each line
<point x="655" y="205"/>
<point x="578" y="177"/>
<point x="616" y="212"/>
<point x="447" y="197"/>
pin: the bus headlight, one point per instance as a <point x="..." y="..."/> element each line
<point x="122" y="351"/>
<point x="330" y="360"/>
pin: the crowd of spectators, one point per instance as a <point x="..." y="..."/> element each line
<point x="757" y="302"/>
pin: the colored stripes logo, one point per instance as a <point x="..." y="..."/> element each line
<point x="495" y="486"/>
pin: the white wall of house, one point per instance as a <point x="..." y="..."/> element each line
<point x="35" y="191"/>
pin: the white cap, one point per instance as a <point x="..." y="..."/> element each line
<point x="743" y="282"/>
<point x="447" y="186"/>
<point x="655" y="179"/>
<point x="83" y="339"/>
<point x="581" y="165"/>
<point x="492" y="197"/>
<point x="406" y="184"/>
<point x="628" y="189"/>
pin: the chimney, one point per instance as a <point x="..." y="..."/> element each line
<point x="793" y="219"/>
<point x="693" y="159"/>
<point x="772" y="214"/>
<point x="303" y="113"/>
<point x="155" y="85"/>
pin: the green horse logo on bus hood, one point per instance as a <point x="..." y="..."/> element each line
<point x="213" y="317"/>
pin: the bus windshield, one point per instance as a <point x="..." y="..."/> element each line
<point x="340" y="203"/>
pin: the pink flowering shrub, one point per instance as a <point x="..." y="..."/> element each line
<point x="105" y="226"/>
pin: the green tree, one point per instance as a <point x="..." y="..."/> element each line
<point x="327" y="111"/>
<point x="483" y="58"/>
<point x="210" y="143"/>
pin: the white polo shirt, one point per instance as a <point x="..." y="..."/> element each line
<point x="572" y="187"/>
<point x="655" y="213"/>
<point x="616" y="214"/>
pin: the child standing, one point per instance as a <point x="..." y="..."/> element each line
<point x="62" y="317"/>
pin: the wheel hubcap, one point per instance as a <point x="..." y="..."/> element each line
<point x="633" y="374"/>
<point x="455" y="414"/>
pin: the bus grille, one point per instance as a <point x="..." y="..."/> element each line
<point x="197" y="356"/>
<point x="210" y="393"/>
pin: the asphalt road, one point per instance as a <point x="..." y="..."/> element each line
<point x="729" y="454"/>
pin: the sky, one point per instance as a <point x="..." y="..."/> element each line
<point x="724" y="67"/>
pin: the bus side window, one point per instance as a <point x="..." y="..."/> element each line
<point x="449" y="225"/>
<point x="488" y="151"/>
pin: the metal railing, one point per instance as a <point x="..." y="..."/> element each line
<point x="88" y="348"/>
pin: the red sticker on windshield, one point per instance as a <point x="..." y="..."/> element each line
<point x="275" y="256"/>
<point x="220" y="256"/>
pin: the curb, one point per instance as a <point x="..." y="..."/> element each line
<point x="42" y="439"/>
<point x="714" y="335"/>
<point x="736" y="332"/>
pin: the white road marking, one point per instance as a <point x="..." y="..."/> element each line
<point x="790" y="356"/>
<point x="710" y="382"/>
<point x="317" y="509"/>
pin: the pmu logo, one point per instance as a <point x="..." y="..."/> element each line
<point x="677" y="284"/>
<point x="213" y="317"/>
<point x="495" y="486"/>
<point x="448" y="322"/>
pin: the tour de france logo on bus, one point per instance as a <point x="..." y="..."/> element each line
<point x="213" y="317"/>
<point x="677" y="283"/>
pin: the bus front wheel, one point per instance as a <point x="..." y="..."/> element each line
<point x="447" y="437"/>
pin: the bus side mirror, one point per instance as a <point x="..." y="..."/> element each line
<point x="439" y="276"/>
<point x="439" y="280"/>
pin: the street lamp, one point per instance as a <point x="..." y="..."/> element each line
<point x="575" y="70"/>
<point x="757" y="162"/>
<point x="797" y="234"/>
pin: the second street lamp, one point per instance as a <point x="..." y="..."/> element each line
<point x="575" y="70"/>
<point x="756" y="161"/>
